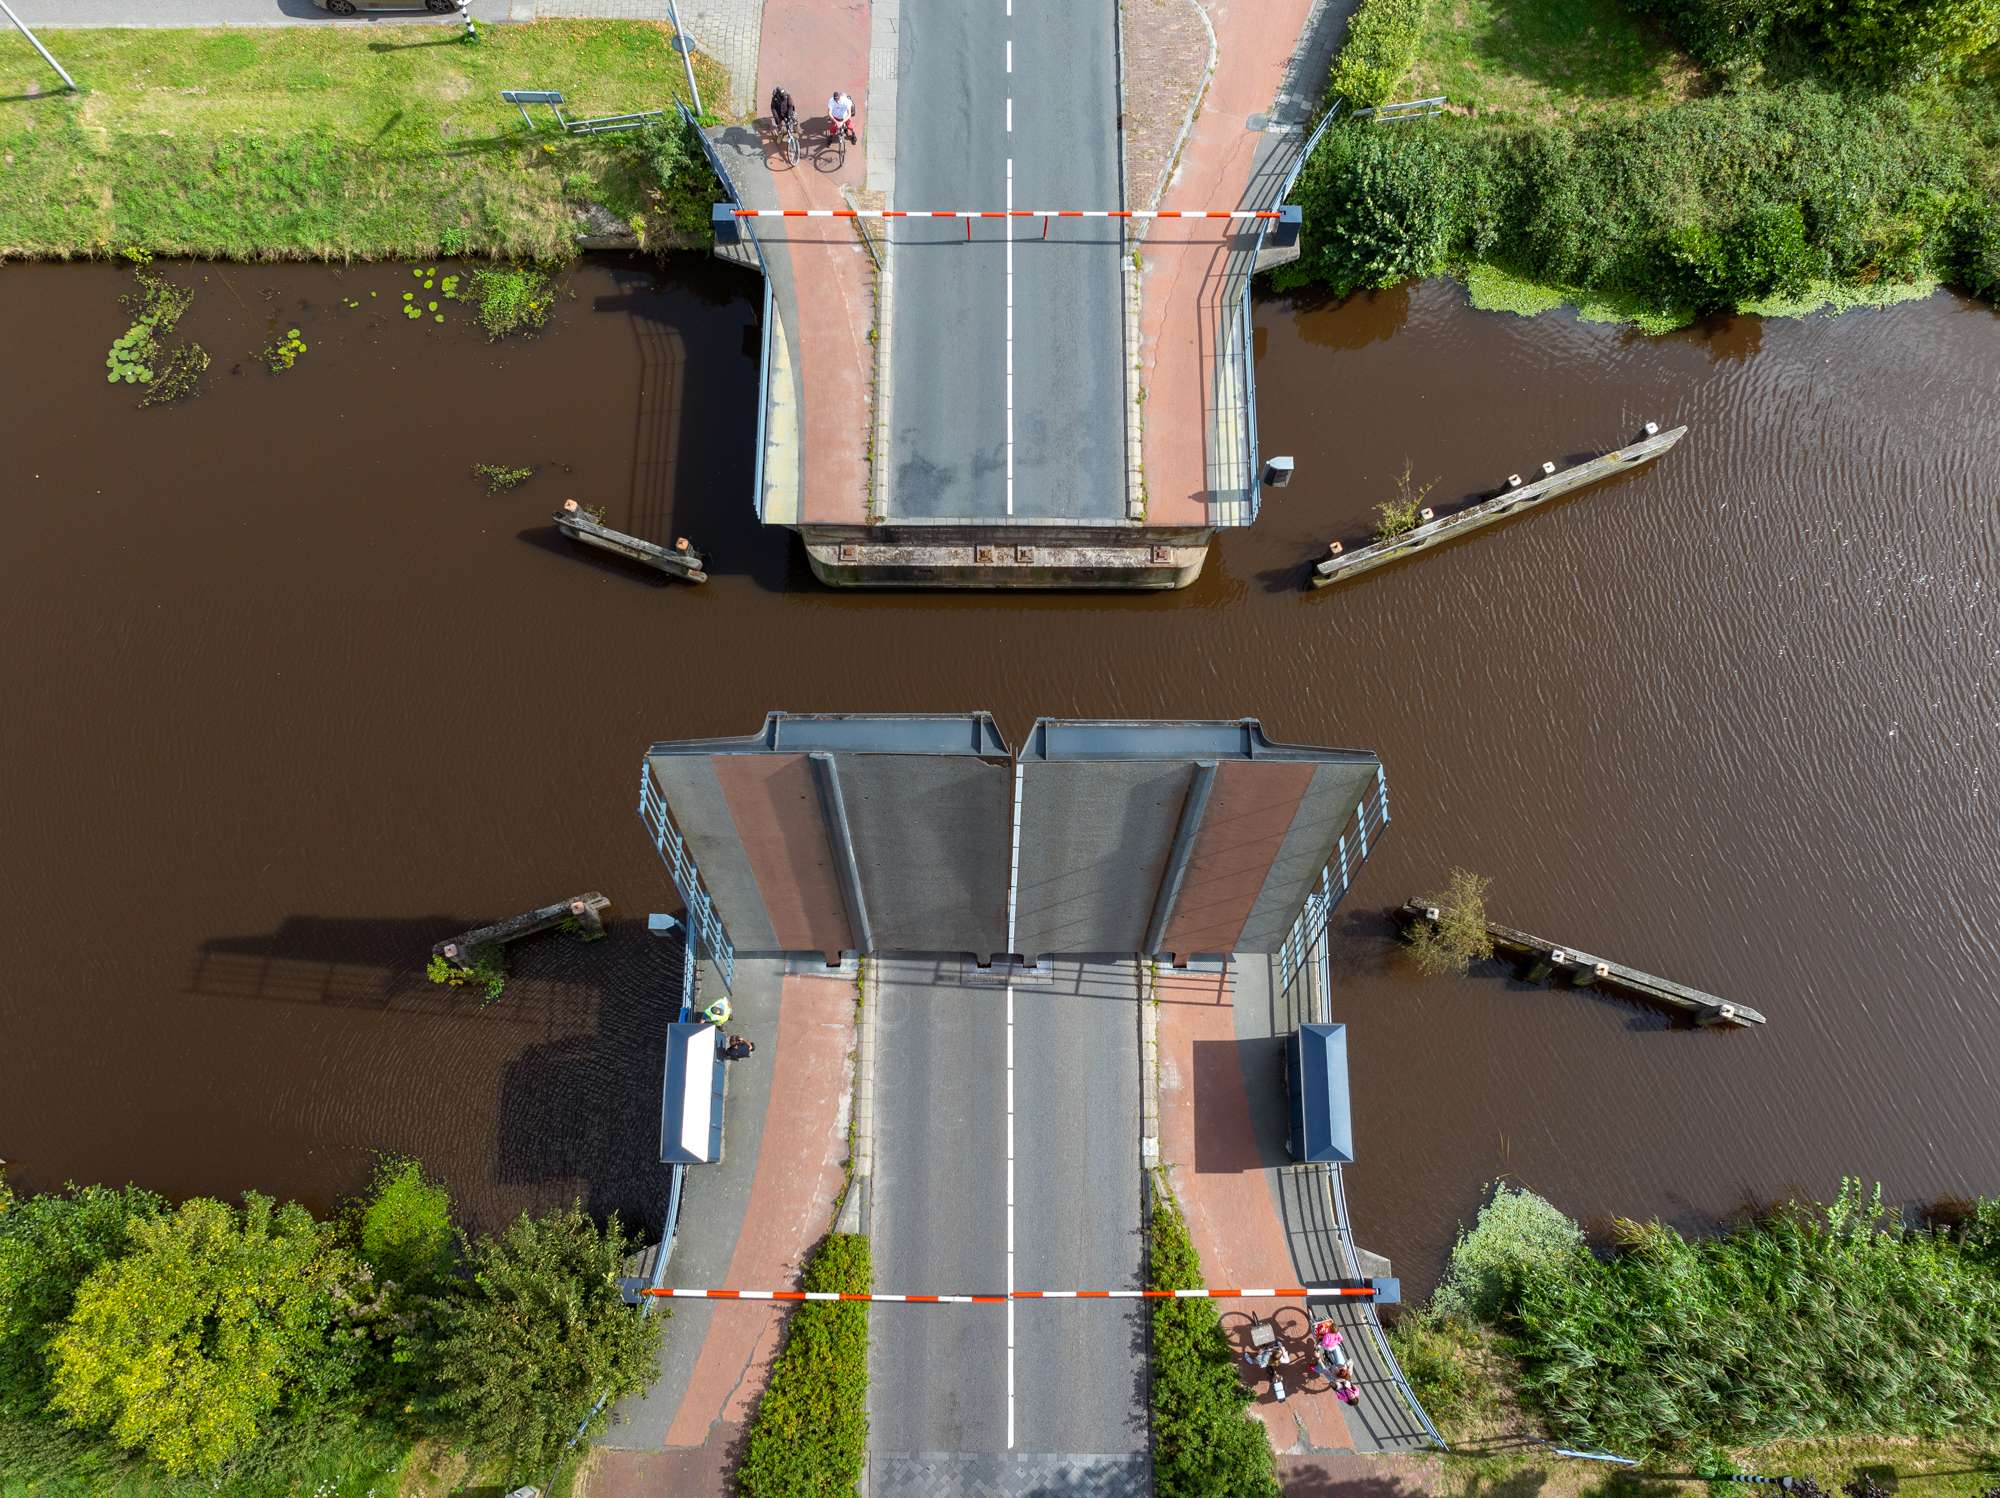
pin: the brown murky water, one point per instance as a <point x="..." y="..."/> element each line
<point x="289" y="697"/>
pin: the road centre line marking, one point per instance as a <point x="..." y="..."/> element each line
<point x="1010" y="114"/>
<point x="1010" y="1216"/>
<point x="1010" y="346"/>
<point x="1010" y="54"/>
<point x="1363" y="1289"/>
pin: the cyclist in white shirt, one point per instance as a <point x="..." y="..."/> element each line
<point x="840" y="115"/>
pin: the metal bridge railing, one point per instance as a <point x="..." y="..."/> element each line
<point x="706" y="933"/>
<point x="721" y="171"/>
<point x="1306" y="941"/>
<point x="1344" y="1236"/>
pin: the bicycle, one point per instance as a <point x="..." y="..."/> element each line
<point x="838" y="134"/>
<point x="791" y="140"/>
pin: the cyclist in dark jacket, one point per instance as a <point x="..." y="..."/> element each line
<point x="783" y="111"/>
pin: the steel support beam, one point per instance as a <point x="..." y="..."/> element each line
<point x="1192" y="811"/>
<point x="840" y="838"/>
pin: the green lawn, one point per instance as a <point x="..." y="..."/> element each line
<point x="335" y="141"/>
<point x="1545" y="60"/>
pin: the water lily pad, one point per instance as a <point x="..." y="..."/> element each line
<point x="440" y="317"/>
<point x="409" y="296"/>
<point x="432" y="305"/>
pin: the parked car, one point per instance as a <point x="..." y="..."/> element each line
<point x="349" y="7"/>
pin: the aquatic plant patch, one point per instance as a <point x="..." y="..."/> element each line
<point x="499" y="479"/>
<point x="283" y="351"/>
<point x="180" y="377"/>
<point x="141" y="355"/>
<point x="132" y="354"/>
<point x="512" y="299"/>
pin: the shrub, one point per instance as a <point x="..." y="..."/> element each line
<point x="810" y="1435"/>
<point x="1812" y="1322"/>
<point x="1204" y="1444"/>
<point x="512" y="299"/>
<point x="1729" y="37"/>
<point x="405" y="1224"/>
<point x="1439" y="1356"/>
<point x="1458" y="938"/>
<point x="49" y="1245"/>
<point x="1382" y="43"/>
<point x="514" y="1361"/>
<point x="1864" y="190"/>
<point x="1975" y="247"/>
<point x="486" y="968"/>
<point x="1395" y="516"/>
<point x="187" y="1346"/>
<point x="1381" y="205"/>
<point x="680" y="186"/>
<point x="1516" y="1234"/>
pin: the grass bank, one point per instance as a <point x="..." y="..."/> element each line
<point x="1819" y="1341"/>
<point x="329" y="142"/>
<point x="1588" y="158"/>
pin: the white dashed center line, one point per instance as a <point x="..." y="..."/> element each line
<point x="1010" y="1216"/>
<point x="1008" y="222"/>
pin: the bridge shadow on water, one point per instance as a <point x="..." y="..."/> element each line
<point x="549" y="1093"/>
<point x="694" y="427"/>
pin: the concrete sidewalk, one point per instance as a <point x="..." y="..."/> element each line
<point x="746" y="1222"/>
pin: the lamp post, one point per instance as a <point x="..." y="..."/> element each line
<point x="682" y="46"/>
<point x="47" y="56"/>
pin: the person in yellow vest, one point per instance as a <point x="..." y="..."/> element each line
<point x="718" y="1012"/>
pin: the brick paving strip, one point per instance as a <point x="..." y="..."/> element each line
<point x="1169" y="52"/>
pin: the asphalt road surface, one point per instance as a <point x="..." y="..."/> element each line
<point x="1007" y="104"/>
<point x="950" y="1411"/>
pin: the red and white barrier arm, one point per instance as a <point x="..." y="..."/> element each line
<point x="1275" y="1292"/>
<point x="1253" y="213"/>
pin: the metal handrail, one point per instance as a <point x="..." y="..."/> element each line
<point x="1344" y="1236"/>
<point x="1247" y="348"/>
<point x="706" y="933"/>
<point x="764" y="266"/>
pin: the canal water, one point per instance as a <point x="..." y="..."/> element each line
<point x="289" y="697"/>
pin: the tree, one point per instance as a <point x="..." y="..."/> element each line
<point x="1458" y="937"/>
<point x="517" y="1359"/>
<point x="1894" y="42"/>
<point x="405" y="1226"/>
<point x="187" y="1346"/>
<point x="49" y="1245"/>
